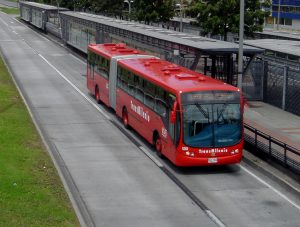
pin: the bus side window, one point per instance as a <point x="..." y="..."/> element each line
<point x="149" y="89"/>
<point x="91" y="58"/>
<point x="139" y="85"/>
<point x="125" y="80"/>
<point x="119" y="76"/>
<point x="106" y="66"/>
<point x="161" y="107"/>
<point x="160" y="103"/>
<point x="131" y="83"/>
<point x="149" y="101"/>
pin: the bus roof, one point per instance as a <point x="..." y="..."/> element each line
<point x="110" y="50"/>
<point x="172" y="77"/>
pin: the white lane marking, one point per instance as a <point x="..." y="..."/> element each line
<point x="77" y="58"/>
<point x="146" y="152"/>
<point x="214" y="218"/>
<point x="3" y="22"/>
<point x="271" y="187"/>
<point x="31" y="30"/>
<point x="76" y="88"/>
<point x="18" y="21"/>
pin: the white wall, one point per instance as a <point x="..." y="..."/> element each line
<point x="296" y="24"/>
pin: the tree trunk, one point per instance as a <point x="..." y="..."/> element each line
<point x="225" y="33"/>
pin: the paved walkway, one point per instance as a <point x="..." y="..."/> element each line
<point x="275" y="122"/>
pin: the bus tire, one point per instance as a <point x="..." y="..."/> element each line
<point x="125" y="118"/>
<point x="158" y="146"/>
<point x="97" y="94"/>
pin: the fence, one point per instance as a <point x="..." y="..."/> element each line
<point x="273" y="148"/>
<point x="274" y="82"/>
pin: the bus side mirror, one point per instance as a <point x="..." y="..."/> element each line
<point x="173" y="113"/>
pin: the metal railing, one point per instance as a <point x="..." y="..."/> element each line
<point x="285" y="154"/>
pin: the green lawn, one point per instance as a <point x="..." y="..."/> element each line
<point x="31" y="193"/>
<point x="9" y="10"/>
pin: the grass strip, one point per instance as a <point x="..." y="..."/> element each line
<point x="31" y="193"/>
<point x="9" y="10"/>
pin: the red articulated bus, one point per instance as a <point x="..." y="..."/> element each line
<point x="191" y="119"/>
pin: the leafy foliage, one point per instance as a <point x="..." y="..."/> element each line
<point x="110" y="7"/>
<point x="218" y="17"/>
<point x="153" y="10"/>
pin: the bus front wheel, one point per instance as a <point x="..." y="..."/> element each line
<point x="158" y="146"/>
<point x="125" y="118"/>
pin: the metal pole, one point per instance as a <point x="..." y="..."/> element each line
<point x="278" y="15"/>
<point x="285" y="82"/>
<point x="241" y="40"/>
<point x="129" y="9"/>
<point x="181" y="16"/>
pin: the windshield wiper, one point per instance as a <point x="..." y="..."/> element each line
<point x="221" y="111"/>
<point x="200" y="108"/>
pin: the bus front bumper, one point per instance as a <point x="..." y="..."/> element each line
<point x="183" y="160"/>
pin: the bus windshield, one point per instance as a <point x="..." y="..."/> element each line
<point x="211" y="119"/>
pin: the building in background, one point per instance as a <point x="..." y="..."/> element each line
<point x="286" y="14"/>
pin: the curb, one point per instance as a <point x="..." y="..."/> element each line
<point x="272" y="175"/>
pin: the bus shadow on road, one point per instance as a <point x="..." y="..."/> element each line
<point x="204" y="170"/>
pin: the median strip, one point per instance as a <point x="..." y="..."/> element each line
<point x="31" y="193"/>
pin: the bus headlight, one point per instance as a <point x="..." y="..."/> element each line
<point x="236" y="151"/>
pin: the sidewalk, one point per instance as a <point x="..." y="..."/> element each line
<point x="276" y="123"/>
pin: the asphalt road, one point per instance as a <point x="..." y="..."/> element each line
<point x="110" y="180"/>
<point x="9" y="3"/>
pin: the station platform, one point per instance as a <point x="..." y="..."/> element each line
<point x="281" y="126"/>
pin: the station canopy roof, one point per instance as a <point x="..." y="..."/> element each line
<point x="204" y="44"/>
<point x="277" y="45"/>
<point x="42" y="6"/>
<point x="281" y="34"/>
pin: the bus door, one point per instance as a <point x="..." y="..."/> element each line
<point x="90" y="77"/>
<point x="174" y="122"/>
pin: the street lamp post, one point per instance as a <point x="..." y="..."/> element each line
<point x="278" y="14"/>
<point x="241" y="41"/>
<point x="129" y="5"/>
<point x="180" y="14"/>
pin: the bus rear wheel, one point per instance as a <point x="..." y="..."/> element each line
<point x="125" y="118"/>
<point x="97" y="95"/>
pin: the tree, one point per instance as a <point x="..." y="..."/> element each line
<point x="153" y="10"/>
<point x="110" y="7"/>
<point x="218" y="17"/>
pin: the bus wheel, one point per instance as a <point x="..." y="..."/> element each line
<point x="158" y="146"/>
<point x="125" y="118"/>
<point x="97" y="95"/>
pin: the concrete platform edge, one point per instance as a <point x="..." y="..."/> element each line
<point x="284" y="183"/>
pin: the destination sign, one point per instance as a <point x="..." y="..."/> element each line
<point x="211" y="97"/>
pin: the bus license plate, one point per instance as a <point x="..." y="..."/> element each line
<point x="212" y="160"/>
